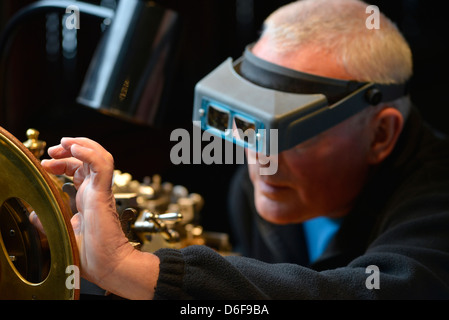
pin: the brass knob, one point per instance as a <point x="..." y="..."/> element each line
<point x="36" y="146"/>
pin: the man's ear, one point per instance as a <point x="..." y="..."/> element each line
<point x="387" y="126"/>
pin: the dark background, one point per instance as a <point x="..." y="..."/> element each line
<point x="39" y="91"/>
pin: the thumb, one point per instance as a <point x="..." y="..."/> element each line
<point x="77" y="223"/>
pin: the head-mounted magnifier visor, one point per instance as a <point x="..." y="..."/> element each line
<point x="269" y="108"/>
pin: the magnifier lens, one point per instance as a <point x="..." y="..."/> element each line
<point x="217" y="118"/>
<point x="246" y="129"/>
<point x="244" y="125"/>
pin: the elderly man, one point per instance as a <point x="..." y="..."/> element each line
<point x="375" y="187"/>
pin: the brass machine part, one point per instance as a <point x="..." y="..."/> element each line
<point x="36" y="146"/>
<point x="26" y="187"/>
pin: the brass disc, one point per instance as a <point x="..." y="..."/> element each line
<point x="25" y="184"/>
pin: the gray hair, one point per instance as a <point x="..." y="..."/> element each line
<point x="372" y="55"/>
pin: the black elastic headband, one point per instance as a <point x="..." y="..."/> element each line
<point x="273" y="76"/>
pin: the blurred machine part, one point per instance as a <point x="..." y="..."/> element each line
<point x="158" y="214"/>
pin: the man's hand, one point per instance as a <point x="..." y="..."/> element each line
<point x="106" y="256"/>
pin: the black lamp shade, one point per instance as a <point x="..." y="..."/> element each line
<point x="128" y="74"/>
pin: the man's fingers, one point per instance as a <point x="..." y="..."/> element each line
<point x="86" y="150"/>
<point x="101" y="164"/>
<point x="75" y="153"/>
<point x="63" y="150"/>
<point x="59" y="152"/>
<point x="67" y="143"/>
<point x="90" y="151"/>
<point x="62" y="166"/>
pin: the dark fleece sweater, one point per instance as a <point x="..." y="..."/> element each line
<point x="400" y="224"/>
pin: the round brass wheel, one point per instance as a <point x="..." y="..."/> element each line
<point x="33" y="265"/>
